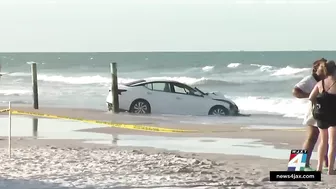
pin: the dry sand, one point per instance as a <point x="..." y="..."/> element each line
<point x="74" y="164"/>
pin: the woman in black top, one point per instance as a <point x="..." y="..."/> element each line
<point x="323" y="98"/>
<point x="303" y="90"/>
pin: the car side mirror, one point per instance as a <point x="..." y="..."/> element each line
<point x="198" y="94"/>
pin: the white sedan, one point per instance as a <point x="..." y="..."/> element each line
<point x="170" y="97"/>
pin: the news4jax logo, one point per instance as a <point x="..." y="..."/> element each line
<point x="297" y="160"/>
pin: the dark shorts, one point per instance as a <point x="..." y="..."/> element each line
<point x="325" y="125"/>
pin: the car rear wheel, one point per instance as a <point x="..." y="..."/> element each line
<point x="140" y="107"/>
<point x="219" y="111"/>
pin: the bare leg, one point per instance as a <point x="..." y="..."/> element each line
<point x="309" y="144"/>
<point x="326" y="162"/>
<point x="332" y="149"/>
<point x="322" y="149"/>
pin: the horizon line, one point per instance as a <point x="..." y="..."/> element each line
<point x="196" y="51"/>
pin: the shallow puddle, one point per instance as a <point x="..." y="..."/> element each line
<point x="23" y="126"/>
<point x="273" y="127"/>
<point x="201" y="145"/>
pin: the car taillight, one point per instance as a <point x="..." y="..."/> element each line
<point x="119" y="91"/>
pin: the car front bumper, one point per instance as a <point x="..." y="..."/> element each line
<point x="234" y="110"/>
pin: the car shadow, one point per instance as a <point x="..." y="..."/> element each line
<point x="243" y="115"/>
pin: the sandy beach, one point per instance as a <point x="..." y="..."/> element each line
<point x="239" y="78"/>
<point x="65" y="164"/>
<point x="213" y="157"/>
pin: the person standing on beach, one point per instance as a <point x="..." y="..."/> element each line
<point x="323" y="98"/>
<point x="302" y="90"/>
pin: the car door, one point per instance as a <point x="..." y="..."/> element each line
<point x="160" y="98"/>
<point x="188" y="102"/>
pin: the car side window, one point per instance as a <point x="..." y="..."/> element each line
<point x="149" y="86"/>
<point x="182" y="89"/>
<point x="164" y="87"/>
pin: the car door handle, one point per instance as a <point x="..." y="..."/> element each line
<point x="149" y="92"/>
<point x="178" y="98"/>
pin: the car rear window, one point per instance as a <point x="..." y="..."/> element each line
<point x="129" y="84"/>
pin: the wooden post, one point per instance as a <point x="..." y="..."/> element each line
<point x="114" y="88"/>
<point x="35" y="124"/>
<point x="34" y="82"/>
<point x="9" y="129"/>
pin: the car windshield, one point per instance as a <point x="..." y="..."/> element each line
<point x="197" y="89"/>
<point x="134" y="82"/>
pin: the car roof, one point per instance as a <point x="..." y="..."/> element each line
<point x="162" y="80"/>
<point x="141" y="81"/>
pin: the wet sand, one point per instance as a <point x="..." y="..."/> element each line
<point x="155" y="165"/>
<point x="273" y="135"/>
<point x="204" y="124"/>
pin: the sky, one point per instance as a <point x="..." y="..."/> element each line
<point x="166" y="25"/>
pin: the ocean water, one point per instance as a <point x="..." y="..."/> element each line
<point x="259" y="82"/>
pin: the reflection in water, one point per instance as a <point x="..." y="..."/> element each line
<point x="50" y="129"/>
<point x="35" y="126"/>
<point x="114" y="139"/>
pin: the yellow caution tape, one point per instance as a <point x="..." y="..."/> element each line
<point x="127" y="126"/>
<point x="118" y="125"/>
<point x="4" y="110"/>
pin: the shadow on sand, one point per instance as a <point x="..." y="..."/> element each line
<point x="30" y="184"/>
<point x="34" y="184"/>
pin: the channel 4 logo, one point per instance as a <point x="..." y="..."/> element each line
<point x="297" y="160"/>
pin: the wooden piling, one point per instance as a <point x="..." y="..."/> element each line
<point x="34" y="82"/>
<point x="114" y="88"/>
